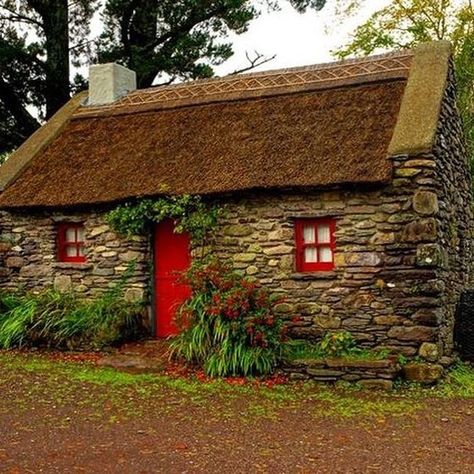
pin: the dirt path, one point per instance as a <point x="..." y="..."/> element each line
<point x="68" y="419"/>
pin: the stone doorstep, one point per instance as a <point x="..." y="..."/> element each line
<point x="377" y="384"/>
<point x="324" y="373"/>
<point x="304" y="363"/>
<point x="362" y="364"/>
<point x="422" y="372"/>
<point x="324" y="379"/>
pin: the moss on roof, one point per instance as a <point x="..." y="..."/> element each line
<point x="419" y="113"/>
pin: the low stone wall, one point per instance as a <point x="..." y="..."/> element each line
<point x="377" y="374"/>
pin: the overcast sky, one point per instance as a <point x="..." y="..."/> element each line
<point x="296" y="39"/>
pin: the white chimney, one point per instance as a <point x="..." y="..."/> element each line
<point x="109" y="82"/>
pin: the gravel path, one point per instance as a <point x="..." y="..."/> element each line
<point x="54" y="422"/>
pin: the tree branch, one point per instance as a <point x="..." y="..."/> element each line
<point x="193" y="20"/>
<point x="166" y="83"/>
<point x="258" y="60"/>
<point x="19" y="17"/>
<point x="80" y="45"/>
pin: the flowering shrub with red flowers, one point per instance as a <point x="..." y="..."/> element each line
<point x="228" y="324"/>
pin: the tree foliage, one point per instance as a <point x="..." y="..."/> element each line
<point x="177" y="39"/>
<point x="162" y="41"/>
<point x="38" y="41"/>
<point x="406" y="23"/>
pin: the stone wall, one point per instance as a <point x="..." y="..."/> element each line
<point x="403" y="251"/>
<point x="377" y="374"/>
<point x="383" y="288"/>
<point x="28" y="257"/>
<point x="455" y="216"/>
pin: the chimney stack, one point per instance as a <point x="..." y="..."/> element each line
<point x="109" y="82"/>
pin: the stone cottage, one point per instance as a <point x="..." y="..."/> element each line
<point x="346" y="186"/>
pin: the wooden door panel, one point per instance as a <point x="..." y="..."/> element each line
<point x="171" y="260"/>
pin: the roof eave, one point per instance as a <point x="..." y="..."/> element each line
<point x="37" y="142"/>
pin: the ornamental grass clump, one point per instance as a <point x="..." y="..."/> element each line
<point x="68" y="321"/>
<point x="228" y="324"/>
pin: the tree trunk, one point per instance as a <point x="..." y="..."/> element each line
<point x="142" y="32"/>
<point x="56" y="29"/>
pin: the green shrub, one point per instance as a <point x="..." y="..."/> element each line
<point x="302" y="349"/>
<point x="191" y="214"/>
<point x="333" y="344"/>
<point x="64" y="320"/>
<point x="228" y="324"/>
<point x="337" y="344"/>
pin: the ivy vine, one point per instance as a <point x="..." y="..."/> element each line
<point x="190" y="213"/>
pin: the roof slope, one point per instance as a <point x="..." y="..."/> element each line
<point x="304" y="127"/>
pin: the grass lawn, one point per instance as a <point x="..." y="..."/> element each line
<point x="58" y="416"/>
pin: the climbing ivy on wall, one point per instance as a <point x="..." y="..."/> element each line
<point x="191" y="214"/>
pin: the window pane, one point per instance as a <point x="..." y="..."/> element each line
<point x="81" y="251"/>
<point x="70" y="234"/>
<point x="80" y="234"/>
<point x="71" y="251"/>
<point x="324" y="234"/>
<point x="310" y="255"/>
<point x="309" y="234"/>
<point x="325" y="254"/>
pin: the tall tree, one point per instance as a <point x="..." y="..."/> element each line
<point x="160" y="39"/>
<point x="405" y="23"/>
<point x="35" y="57"/>
<point x="178" y="38"/>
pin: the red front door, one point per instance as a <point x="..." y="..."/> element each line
<point x="171" y="259"/>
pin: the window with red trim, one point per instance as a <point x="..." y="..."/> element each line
<point x="315" y="244"/>
<point x="71" y="243"/>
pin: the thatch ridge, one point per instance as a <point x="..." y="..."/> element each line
<point x="260" y="84"/>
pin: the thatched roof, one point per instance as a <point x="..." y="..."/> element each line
<point x="307" y="127"/>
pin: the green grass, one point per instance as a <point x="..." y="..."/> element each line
<point x="346" y="405"/>
<point x="45" y="383"/>
<point x="461" y="382"/>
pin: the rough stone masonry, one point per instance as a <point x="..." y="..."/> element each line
<point x="403" y="250"/>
